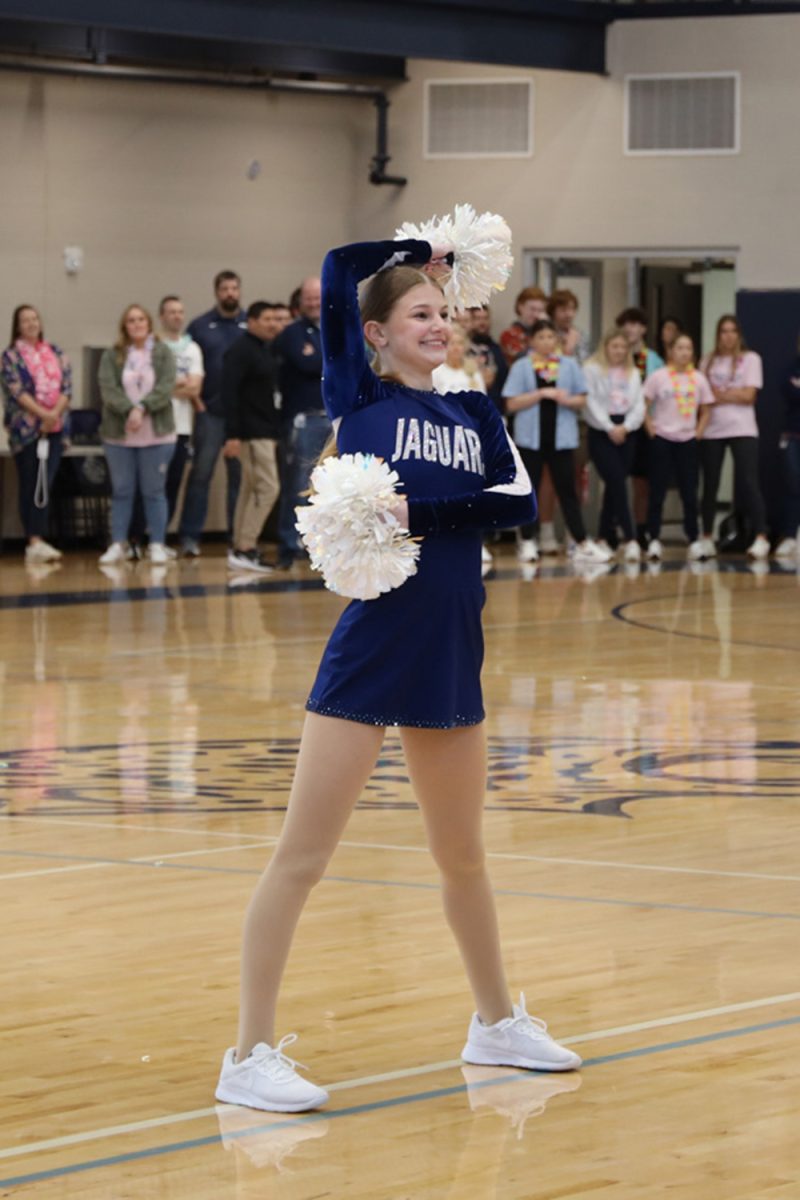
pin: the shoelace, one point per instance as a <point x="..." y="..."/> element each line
<point x="524" y="1022"/>
<point x="268" y="1060"/>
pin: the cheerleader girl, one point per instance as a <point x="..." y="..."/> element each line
<point x="679" y="401"/>
<point x="735" y="374"/>
<point x="614" y="412"/>
<point x="545" y="390"/>
<point x="410" y="659"/>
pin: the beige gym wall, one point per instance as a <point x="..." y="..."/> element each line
<point x="580" y="190"/>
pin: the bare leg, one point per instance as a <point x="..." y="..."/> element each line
<point x="334" y="763"/>
<point x="447" y="768"/>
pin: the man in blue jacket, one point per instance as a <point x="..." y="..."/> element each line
<point x="214" y="332"/>
<point x="305" y="425"/>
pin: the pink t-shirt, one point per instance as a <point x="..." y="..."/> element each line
<point x="673" y="398"/>
<point x="733" y="420"/>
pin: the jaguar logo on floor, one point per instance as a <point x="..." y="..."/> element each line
<point x="561" y="775"/>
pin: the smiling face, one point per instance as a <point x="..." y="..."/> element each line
<point x="136" y="324"/>
<point x="29" y="325"/>
<point x="413" y="339"/>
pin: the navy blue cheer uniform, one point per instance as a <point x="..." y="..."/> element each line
<point x="413" y="656"/>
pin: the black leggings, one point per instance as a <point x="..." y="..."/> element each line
<point x="748" y="493"/>
<point x="613" y="465"/>
<point x="562" y="472"/>
<point x="666" y="457"/>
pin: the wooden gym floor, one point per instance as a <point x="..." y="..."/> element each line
<point x="643" y="820"/>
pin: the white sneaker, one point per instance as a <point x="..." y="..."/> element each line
<point x="248" y="560"/>
<point x="487" y="558"/>
<point x="695" y="551"/>
<point x="517" y="1041"/>
<point x="709" y="547"/>
<point x="654" y="550"/>
<point x="759" y="548"/>
<point x="548" y="544"/>
<point x="786" y="548"/>
<point x="157" y="553"/>
<point x="116" y="553"/>
<point x="527" y="550"/>
<point x="41" y="552"/>
<point x="267" y="1079"/>
<point x="632" y="552"/>
<point x="589" y="551"/>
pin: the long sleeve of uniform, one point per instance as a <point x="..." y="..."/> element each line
<point x="507" y="499"/>
<point x="345" y="381"/>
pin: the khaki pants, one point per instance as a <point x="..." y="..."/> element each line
<point x="258" y="492"/>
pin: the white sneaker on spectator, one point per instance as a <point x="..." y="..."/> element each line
<point x="709" y="547"/>
<point x="759" y="548"/>
<point x="190" y="548"/>
<point x="548" y="543"/>
<point x="41" y="552"/>
<point x="267" y="1079"/>
<point x="589" y="551"/>
<point x="157" y="553"/>
<point x="654" y="550"/>
<point x="117" y="552"/>
<point x="517" y="1041"/>
<point x="248" y="560"/>
<point x="527" y="550"/>
<point x="694" y="551"/>
<point x="787" y="548"/>
<point x="632" y="552"/>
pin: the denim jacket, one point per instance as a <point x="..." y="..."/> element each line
<point x="522" y="378"/>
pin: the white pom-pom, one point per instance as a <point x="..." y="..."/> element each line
<point x="482" y="253"/>
<point x="350" y="533"/>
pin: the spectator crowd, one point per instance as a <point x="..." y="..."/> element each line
<point x="245" y="385"/>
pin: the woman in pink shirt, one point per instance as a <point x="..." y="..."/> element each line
<point x="735" y="375"/>
<point x="137" y="379"/>
<point x="679" y="401"/>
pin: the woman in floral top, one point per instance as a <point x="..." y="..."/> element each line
<point x="137" y="379"/>
<point x="37" y="384"/>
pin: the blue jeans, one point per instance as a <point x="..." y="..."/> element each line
<point x="207" y="442"/>
<point x="145" y="468"/>
<point x="301" y="448"/>
<point x="790" y="517"/>
<point x="35" y="521"/>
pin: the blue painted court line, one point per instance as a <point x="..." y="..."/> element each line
<point x="169" y="591"/>
<point x="163" y="865"/>
<point x="381" y="1105"/>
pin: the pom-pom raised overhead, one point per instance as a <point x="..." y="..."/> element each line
<point x="481" y="250"/>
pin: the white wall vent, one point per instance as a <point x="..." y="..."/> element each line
<point x="682" y="114"/>
<point x="478" y="118"/>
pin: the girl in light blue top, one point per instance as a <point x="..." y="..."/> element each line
<point x="544" y="390"/>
